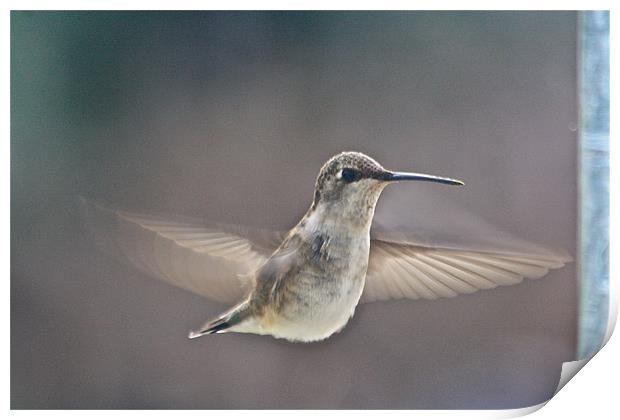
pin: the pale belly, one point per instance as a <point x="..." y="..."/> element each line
<point x="318" y="315"/>
<point x="314" y="305"/>
<point x="320" y="298"/>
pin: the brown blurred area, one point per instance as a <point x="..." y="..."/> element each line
<point x="229" y="116"/>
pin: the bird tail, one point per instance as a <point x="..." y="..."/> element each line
<point x="224" y="322"/>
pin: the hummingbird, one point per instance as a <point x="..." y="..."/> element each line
<point x="305" y="284"/>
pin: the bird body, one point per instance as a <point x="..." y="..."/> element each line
<point x="305" y="285"/>
<point x="309" y="288"/>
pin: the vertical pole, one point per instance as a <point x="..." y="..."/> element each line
<point x="593" y="68"/>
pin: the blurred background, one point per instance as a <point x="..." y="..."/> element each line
<point x="229" y="116"/>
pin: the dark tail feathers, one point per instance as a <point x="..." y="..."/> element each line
<point x="223" y="322"/>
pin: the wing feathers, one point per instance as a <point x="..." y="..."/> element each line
<point x="214" y="261"/>
<point x="182" y="252"/>
<point x="421" y="288"/>
<point x="451" y="282"/>
<point x="404" y="269"/>
<point x="527" y="270"/>
<point x="495" y="276"/>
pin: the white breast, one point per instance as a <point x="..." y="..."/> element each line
<point x="327" y="309"/>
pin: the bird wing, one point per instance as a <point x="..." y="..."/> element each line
<point x="212" y="262"/>
<point x="402" y="267"/>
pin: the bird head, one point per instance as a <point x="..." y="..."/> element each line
<point x="352" y="182"/>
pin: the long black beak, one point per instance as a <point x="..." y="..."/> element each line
<point x="390" y="176"/>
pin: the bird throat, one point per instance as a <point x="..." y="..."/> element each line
<point x="336" y="216"/>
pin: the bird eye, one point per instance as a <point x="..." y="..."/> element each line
<point x="350" y="175"/>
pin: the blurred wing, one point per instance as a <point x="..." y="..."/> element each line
<point x="403" y="268"/>
<point x="211" y="262"/>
